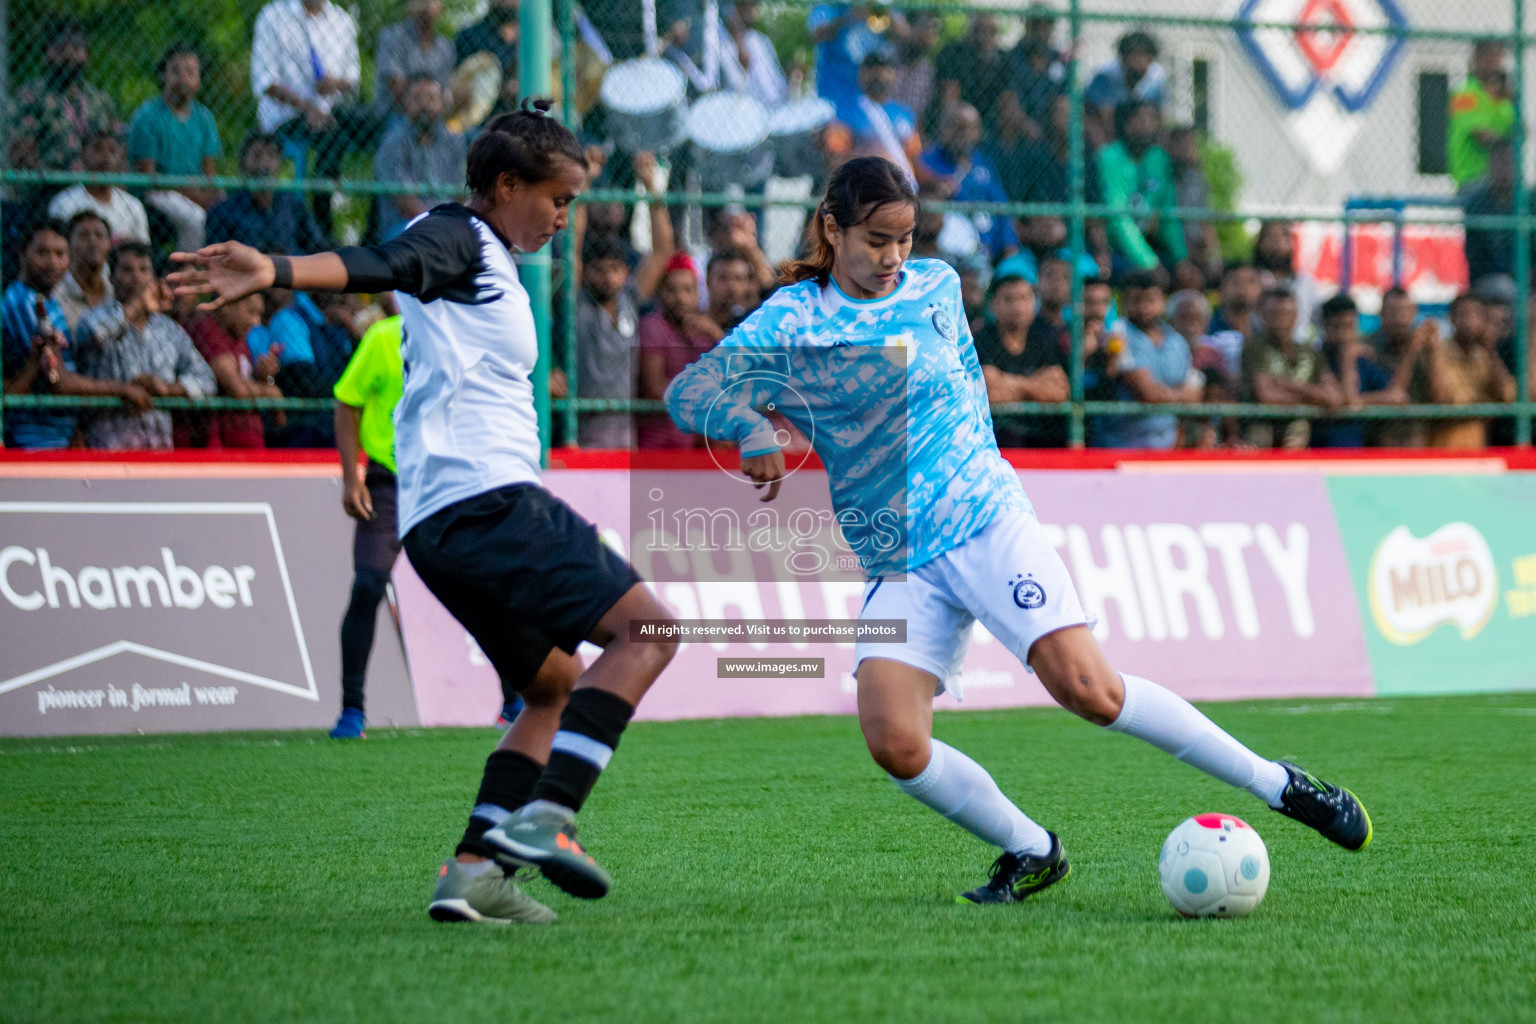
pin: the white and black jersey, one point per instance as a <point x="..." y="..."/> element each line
<point x="466" y="422"/>
<point x="514" y="564"/>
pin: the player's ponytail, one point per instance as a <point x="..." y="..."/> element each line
<point x="815" y="260"/>
<point x="857" y="189"/>
<point x="527" y="143"/>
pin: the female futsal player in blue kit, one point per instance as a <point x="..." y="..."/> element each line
<point x="972" y="549"/>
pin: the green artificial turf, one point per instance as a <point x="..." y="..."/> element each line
<point x="765" y="870"/>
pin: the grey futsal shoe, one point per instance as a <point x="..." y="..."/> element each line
<point x="545" y="838"/>
<point x="491" y="896"/>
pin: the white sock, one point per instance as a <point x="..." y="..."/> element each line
<point x="492" y="813"/>
<point x="540" y="806"/>
<point x="962" y="791"/>
<point x="476" y="869"/>
<point x="1171" y="724"/>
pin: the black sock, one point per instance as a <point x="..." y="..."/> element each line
<point x="508" y="781"/>
<point x="357" y="628"/>
<point x="590" y="728"/>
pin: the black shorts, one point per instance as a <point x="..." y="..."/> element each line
<point x="522" y="572"/>
<point x="376" y="542"/>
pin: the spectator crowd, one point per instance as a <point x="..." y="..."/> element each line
<point x="1168" y="317"/>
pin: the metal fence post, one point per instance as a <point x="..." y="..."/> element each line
<point x="5" y="150"/>
<point x="1079" y="235"/>
<point x="567" y="23"/>
<point x="1522" y="241"/>
<point x="5" y="75"/>
<point x="535" y="26"/>
<point x="3" y="160"/>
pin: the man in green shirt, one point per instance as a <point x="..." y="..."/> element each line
<point x="175" y="134"/>
<point x="1135" y="172"/>
<point x="1482" y="114"/>
<point x="366" y="396"/>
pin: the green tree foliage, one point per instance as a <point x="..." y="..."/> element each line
<point x="1226" y="181"/>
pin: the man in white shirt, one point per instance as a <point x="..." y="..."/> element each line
<point x="748" y="63"/>
<point x="305" y="72"/>
<point x="125" y="217"/>
<point x="86" y="285"/>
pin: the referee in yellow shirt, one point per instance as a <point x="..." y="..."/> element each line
<point x="366" y="396"/>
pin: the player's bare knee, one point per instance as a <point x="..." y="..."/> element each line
<point x="660" y="646"/>
<point x="665" y="651"/>
<point x="1096" y="699"/>
<point x="549" y="690"/>
<point x="903" y="753"/>
<point x="1098" y="705"/>
<point x="1088" y="694"/>
<point x="665" y="645"/>
<point x="646" y="657"/>
<point x="656" y="654"/>
<point x="555" y="680"/>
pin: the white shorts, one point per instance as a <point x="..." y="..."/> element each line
<point x="1007" y="576"/>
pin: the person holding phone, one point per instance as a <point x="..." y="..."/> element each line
<point x="36" y="355"/>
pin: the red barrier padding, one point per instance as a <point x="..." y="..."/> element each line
<point x="698" y="458"/>
<point x="1060" y="458"/>
<point x="280" y="456"/>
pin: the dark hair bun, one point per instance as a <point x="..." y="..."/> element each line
<point x="528" y="143"/>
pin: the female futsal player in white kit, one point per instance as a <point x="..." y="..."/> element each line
<point x="973" y="549"/>
<point x="524" y="574"/>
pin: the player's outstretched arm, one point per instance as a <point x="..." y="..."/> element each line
<point x="713" y="397"/>
<point x="717" y="395"/>
<point x="229" y="271"/>
<point x="431" y="253"/>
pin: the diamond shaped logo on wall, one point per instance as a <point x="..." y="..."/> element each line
<point x="1326" y="67"/>
<point x="1327" y="33"/>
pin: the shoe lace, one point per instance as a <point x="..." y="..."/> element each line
<point x="1317" y="801"/>
<point x="1002" y="871"/>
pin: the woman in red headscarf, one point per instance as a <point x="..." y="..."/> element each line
<point x="670" y="339"/>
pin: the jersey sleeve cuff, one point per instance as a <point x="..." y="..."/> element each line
<point x="760" y="440"/>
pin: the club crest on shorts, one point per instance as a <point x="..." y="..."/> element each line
<point x="944" y="325"/>
<point x="1027" y="594"/>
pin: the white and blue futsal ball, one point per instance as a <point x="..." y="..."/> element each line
<point x="1214" y="865"/>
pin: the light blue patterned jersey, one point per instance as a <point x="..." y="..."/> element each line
<point x="891" y="394"/>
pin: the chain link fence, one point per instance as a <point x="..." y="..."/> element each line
<point x="1115" y="155"/>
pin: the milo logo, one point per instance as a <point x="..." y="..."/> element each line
<point x="1416" y="585"/>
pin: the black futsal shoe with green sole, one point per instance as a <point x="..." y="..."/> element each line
<point x="1015" y="877"/>
<point x="1332" y="810"/>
